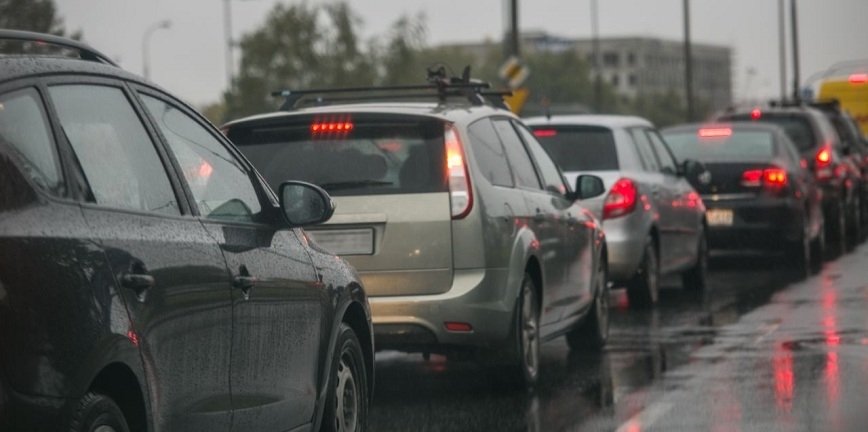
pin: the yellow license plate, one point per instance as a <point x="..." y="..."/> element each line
<point x="719" y="217"/>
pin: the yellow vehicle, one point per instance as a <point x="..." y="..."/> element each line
<point x="848" y="84"/>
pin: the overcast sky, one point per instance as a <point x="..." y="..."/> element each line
<point x="188" y="59"/>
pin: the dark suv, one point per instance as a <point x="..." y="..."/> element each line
<point x="822" y="151"/>
<point x="149" y="280"/>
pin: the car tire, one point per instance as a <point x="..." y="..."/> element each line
<point x="593" y="332"/>
<point x="695" y="278"/>
<point x="837" y="233"/>
<point x="818" y="250"/>
<point x="99" y="413"/>
<point x="347" y="401"/>
<point x="527" y="334"/>
<point x="643" y="289"/>
<point x="854" y="227"/>
<point x="798" y="256"/>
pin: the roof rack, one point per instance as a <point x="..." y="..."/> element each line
<point x="438" y="86"/>
<point x="85" y="52"/>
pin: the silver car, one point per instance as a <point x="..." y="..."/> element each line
<point x="465" y="233"/>
<point x="654" y="220"/>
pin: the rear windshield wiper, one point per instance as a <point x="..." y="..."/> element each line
<point x="353" y="184"/>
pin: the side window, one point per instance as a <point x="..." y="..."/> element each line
<point x="118" y="158"/>
<point x="24" y="129"/>
<point x="519" y="160"/>
<point x="643" y="146"/>
<point x="221" y="186"/>
<point x="554" y="181"/>
<point x="790" y="150"/>
<point x="664" y="156"/>
<point x="489" y="152"/>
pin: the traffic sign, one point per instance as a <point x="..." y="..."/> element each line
<point x="514" y="72"/>
<point x="516" y="100"/>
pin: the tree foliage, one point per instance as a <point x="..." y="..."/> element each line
<point x="32" y="15"/>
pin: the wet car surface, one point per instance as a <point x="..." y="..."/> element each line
<point x="762" y="351"/>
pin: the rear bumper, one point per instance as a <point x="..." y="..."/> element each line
<point x="417" y="323"/>
<point x="625" y="241"/>
<point x="761" y="223"/>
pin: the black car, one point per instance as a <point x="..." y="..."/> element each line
<point x="756" y="191"/>
<point x="149" y="279"/>
<point x="822" y="150"/>
<point x="854" y="146"/>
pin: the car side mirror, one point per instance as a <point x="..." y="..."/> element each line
<point x="304" y="204"/>
<point x="588" y="186"/>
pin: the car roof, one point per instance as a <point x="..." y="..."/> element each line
<point x="610" y="121"/>
<point x="450" y="112"/>
<point x="13" y="67"/>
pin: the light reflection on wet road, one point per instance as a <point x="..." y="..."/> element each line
<point x="761" y="352"/>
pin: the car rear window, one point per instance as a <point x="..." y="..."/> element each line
<point x="798" y="128"/>
<point x="721" y="145"/>
<point x="349" y="154"/>
<point x="579" y="148"/>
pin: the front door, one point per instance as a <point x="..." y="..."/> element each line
<point x="170" y="272"/>
<point x="278" y="303"/>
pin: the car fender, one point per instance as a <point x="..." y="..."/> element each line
<point x="524" y="247"/>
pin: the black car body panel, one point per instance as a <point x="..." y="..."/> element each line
<point x="146" y="306"/>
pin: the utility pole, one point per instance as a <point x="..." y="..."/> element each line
<point x="227" y="29"/>
<point x="782" y="40"/>
<point x="795" y="30"/>
<point x="595" y="52"/>
<point x="513" y="28"/>
<point x="688" y="63"/>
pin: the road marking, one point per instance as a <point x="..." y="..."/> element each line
<point x="645" y="418"/>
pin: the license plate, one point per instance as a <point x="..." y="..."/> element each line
<point x="719" y="217"/>
<point x="346" y="242"/>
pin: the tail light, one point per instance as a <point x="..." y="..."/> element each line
<point x="460" y="194"/>
<point x="770" y="177"/>
<point x="823" y="163"/>
<point x="621" y="199"/>
<point x="857" y="79"/>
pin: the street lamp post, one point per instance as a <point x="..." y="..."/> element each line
<point x="146" y="38"/>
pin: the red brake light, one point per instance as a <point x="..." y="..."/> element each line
<point x="460" y="194"/>
<point x="461" y="327"/>
<point x="621" y="199"/>
<point x="857" y="79"/>
<point x="545" y="133"/>
<point x="756" y="113"/>
<point x="824" y="156"/>
<point x="770" y="177"/>
<point x="319" y="127"/>
<point x="715" y="133"/>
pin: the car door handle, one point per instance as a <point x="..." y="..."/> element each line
<point x="138" y="282"/>
<point x="244" y="283"/>
<point x="539" y="216"/>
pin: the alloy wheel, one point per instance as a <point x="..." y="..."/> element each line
<point x="346" y="396"/>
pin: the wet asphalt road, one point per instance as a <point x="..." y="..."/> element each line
<point x="761" y="352"/>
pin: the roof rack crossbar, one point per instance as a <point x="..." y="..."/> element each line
<point x="473" y="91"/>
<point x="85" y="52"/>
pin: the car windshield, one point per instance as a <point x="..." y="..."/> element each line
<point x="579" y="148"/>
<point x="721" y="145"/>
<point x="349" y="156"/>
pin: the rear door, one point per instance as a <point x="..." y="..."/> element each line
<point x="387" y="175"/>
<point x="169" y="270"/>
<point x="279" y="306"/>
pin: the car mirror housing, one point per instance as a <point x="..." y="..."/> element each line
<point x="588" y="186"/>
<point x="304" y="204"/>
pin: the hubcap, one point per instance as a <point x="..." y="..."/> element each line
<point x="347" y="397"/>
<point x="104" y="428"/>
<point x="529" y="331"/>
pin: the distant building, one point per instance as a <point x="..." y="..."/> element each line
<point x="643" y="65"/>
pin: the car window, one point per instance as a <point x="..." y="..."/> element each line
<point x="349" y="154"/>
<point x="519" y="160"/>
<point x="797" y="127"/>
<point x="738" y="145"/>
<point x="643" y="146"/>
<point x="790" y="150"/>
<point x="24" y="128"/>
<point x="664" y="156"/>
<point x="116" y="154"/>
<point x="489" y="152"/>
<point x="220" y="184"/>
<point x="554" y="181"/>
<point x="579" y="148"/>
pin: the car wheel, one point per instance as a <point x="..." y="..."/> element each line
<point x="98" y="413"/>
<point x="527" y="331"/>
<point x="818" y="249"/>
<point x="594" y="331"/>
<point x="643" y="290"/>
<point x="346" y="407"/>
<point x="854" y="228"/>
<point x="694" y="279"/>
<point x="798" y="256"/>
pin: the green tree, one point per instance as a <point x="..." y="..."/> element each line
<point x="33" y="15"/>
